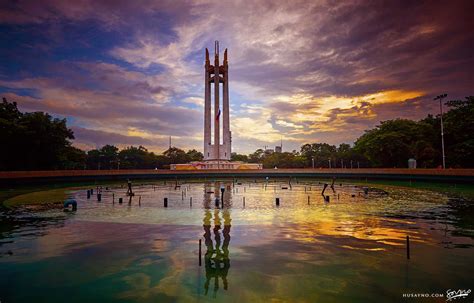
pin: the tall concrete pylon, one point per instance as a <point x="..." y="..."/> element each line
<point x="216" y="74"/>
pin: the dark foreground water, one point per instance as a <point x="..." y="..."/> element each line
<point x="350" y="249"/>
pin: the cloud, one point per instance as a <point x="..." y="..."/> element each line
<point x="118" y="13"/>
<point x="99" y="138"/>
<point x="107" y="97"/>
<point x="304" y="71"/>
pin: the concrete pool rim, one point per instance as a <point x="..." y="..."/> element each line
<point x="396" y="174"/>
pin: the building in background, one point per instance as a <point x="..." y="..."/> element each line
<point x="279" y="149"/>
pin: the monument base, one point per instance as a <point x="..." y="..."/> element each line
<point x="214" y="164"/>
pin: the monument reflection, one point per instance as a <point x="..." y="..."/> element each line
<point x="216" y="239"/>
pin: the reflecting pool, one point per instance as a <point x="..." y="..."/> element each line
<point x="229" y="241"/>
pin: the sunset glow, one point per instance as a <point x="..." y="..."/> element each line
<point x="311" y="71"/>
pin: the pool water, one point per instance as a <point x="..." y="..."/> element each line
<point x="352" y="248"/>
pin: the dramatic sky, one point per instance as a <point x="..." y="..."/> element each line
<point x="131" y="72"/>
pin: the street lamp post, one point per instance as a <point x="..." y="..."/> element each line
<point x="329" y="162"/>
<point x="312" y="161"/>
<point x="440" y="98"/>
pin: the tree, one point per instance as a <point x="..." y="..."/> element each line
<point x="194" y="155"/>
<point x="74" y="158"/>
<point x="321" y="152"/>
<point x="459" y="130"/>
<point x="284" y="160"/>
<point x="257" y="156"/>
<point x="37" y="141"/>
<point x="10" y="134"/>
<point x="176" y="155"/>
<point x="135" y="157"/>
<point x="103" y="158"/>
<point x="93" y="159"/>
<point x="34" y="141"/>
<point x="393" y="142"/>
<point x="344" y="151"/>
<point x="109" y="156"/>
<point x="239" y="157"/>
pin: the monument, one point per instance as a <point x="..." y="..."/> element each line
<point x="217" y="152"/>
<point x="216" y="74"/>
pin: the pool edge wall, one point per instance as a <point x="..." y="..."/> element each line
<point x="428" y="175"/>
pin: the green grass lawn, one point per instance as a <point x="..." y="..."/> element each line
<point x="44" y="193"/>
<point x="53" y="196"/>
<point x="459" y="190"/>
<point x="39" y="194"/>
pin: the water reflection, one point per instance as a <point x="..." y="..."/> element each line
<point x="216" y="258"/>
<point x="18" y="225"/>
<point x="303" y="251"/>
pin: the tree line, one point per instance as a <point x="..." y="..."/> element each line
<point x="37" y="141"/>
